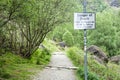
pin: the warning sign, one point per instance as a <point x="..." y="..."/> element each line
<point x="84" y="20"/>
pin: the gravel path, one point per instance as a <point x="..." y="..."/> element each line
<point x="60" y="68"/>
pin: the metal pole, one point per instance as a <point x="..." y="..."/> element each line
<point x="85" y="54"/>
<point x="85" y="44"/>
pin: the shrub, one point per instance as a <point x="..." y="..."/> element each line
<point x="40" y="57"/>
<point x="91" y="75"/>
<point x="76" y="55"/>
<point x="68" y="38"/>
<point x="106" y="33"/>
<point x="96" y="71"/>
<point x="58" y="33"/>
<point x="50" y="45"/>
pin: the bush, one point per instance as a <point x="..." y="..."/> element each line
<point x="58" y="33"/>
<point x="91" y="75"/>
<point x="75" y="55"/>
<point x="106" y="33"/>
<point x="50" y="45"/>
<point x="40" y="57"/>
<point x="96" y="71"/>
<point x="68" y="38"/>
<point x="14" y="67"/>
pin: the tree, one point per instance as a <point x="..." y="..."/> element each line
<point x="106" y="34"/>
<point x="31" y="22"/>
<point x="9" y="10"/>
<point x="96" y="5"/>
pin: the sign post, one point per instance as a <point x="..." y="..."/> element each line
<point x="84" y="21"/>
<point x="85" y="45"/>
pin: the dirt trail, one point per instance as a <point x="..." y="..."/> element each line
<point x="60" y="68"/>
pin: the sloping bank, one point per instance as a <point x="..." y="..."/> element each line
<point x="96" y="71"/>
<point x="14" y="67"/>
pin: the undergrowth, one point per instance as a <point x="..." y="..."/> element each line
<point x="96" y="71"/>
<point x="14" y="67"/>
<point x="50" y="45"/>
<point x="40" y="57"/>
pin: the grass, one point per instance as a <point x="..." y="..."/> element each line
<point x="50" y="45"/>
<point x="14" y="67"/>
<point x="20" y="71"/>
<point x="96" y="71"/>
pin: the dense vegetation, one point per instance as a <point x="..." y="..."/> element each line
<point x="105" y="35"/>
<point x="96" y="71"/>
<point x="25" y="24"/>
<point x="15" y="67"/>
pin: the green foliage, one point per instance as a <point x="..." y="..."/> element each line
<point x="25" y="23"/>
<point x="78" y="38"/>
<point x="50" y="45"/>
<point x="105" y="34"/>
<point x="14" y="67"/>
<point x="7" y="64"/>
<point x="58" y="33"/>
<point x="68" y="38"/>
<point x="60" y="30"/>
<point x="9" y="58"/>
<point x="96" y="5"/>
<point x="91" y="75"/>
<point x="107" y="31"/>
<point x="96" y="71"/>
<point x="40" y="57"/>
<point x="76" y="55"/>
<point x="3" y="73"/>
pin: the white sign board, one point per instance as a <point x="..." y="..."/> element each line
<point x="84" y="20"/>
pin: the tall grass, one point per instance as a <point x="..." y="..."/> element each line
<point x="96" y="71"/>
<point x="14" y="67"/>
<point x="40" y="57"/>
